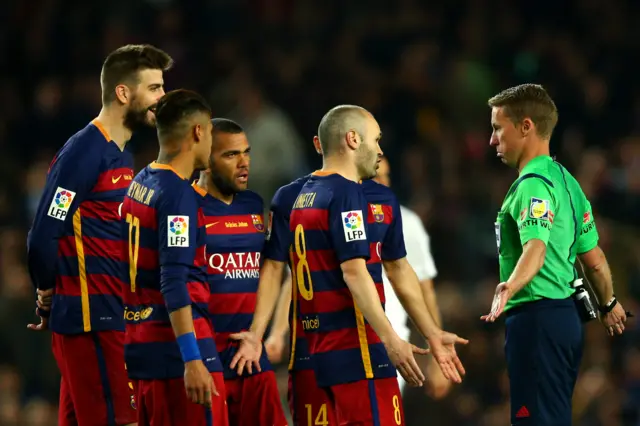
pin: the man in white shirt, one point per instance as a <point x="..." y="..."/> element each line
<point x="416" y="241"/>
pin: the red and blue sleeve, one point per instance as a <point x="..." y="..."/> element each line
<point x="393" y="247"/>
<point x="71" y="177"/>
<point x="177" y="244"/>
<point x="348" y="223"/>
<point x="279" y="237"/>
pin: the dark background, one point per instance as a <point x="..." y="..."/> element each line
<point x="425" y="69"/>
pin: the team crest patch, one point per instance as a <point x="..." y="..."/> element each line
<point x="353" y="225"/>
<point x="377" y="212"/>
<point x="539" y="209"/>
<point x="257" y="222"/>
<point x="523" y="214"/>
<point x="586" y="218"/>
<point x="60" y="204"/>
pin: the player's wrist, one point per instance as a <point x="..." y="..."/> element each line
<point x="189" y="349"/>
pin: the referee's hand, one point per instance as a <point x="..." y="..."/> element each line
<point x="614" y="321"/>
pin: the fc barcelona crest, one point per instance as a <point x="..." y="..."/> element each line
<point x="378" y="213"/>
<point x="257" y="222"/>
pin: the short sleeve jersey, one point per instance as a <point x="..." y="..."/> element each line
<point x="545" y="203"/>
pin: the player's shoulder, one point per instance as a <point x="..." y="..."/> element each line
<point x="378" y="193"/>
<point x="88" y="141"/>
<point x="334" y="183"/>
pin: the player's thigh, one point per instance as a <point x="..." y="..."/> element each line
<point x="165" y="403"/>
<point x="310" y="405"/>
<point x="120" y="387"/>
<point x="368" y="403"/>
<point x="259" y="402"/>
<point x="388" y="400"/>
<point x="66" y="412"/>
<point x="81" y="361"/>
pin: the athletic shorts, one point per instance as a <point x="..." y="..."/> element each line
<point x="94" y="389"/>
<point x="254" y="400"/>
<point x="165" y="403"/>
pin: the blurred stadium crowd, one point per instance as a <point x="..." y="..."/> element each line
<point x="425" y="69"/>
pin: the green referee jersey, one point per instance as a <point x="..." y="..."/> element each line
<point x="545" y="203"/>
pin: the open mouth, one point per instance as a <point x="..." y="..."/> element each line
<point x="243" y="177"/>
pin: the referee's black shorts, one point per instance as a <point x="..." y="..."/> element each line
<point x="544" y="343"/>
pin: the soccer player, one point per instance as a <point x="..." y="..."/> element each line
<point x="235" y="240"/>
<point x="545" y="223"/>
<point x="170" y="345"/>
<point x="339" y="367"/>
<point x="419" y="256"/>
<point x="73" y="245"/>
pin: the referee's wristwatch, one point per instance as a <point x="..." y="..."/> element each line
<point x="609" y="306"/>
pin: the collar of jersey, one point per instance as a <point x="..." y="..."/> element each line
<point x="159" y="166"/>
<point x="198" y="189"/>
<point x="533" y="162"/>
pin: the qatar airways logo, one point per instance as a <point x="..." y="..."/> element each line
<point x="236" y="266"/>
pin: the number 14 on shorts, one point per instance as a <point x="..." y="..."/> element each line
<point x="320" y="417"/>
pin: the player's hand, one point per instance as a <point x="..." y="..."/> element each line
<point x="274" y="345"/>
<point x="45" y="297"/>
<point x="198" y="383"/>
<point x="43" y="326"/>
<point x="500" y="299"/>
<point x="444" y="352"/>
<point x="249" y="352"/>
<point x="614" y="321"/>
<point x="437" y="386"/>
<point x="401" y="356"/>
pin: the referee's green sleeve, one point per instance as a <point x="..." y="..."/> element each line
<point x="588" y="237"/>
<point x="533" y="210"/>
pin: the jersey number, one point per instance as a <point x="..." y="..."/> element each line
<point x="134" y="248"/>
<point x="397" y="416"/>
<point x="321" y="417"/>
<point x="303" y="273"/>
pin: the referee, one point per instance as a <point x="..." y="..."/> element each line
<point x="545" y="223"/>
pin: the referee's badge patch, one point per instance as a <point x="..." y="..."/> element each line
<point x="539" y="209"/>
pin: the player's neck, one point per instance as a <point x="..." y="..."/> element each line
<point x="113" y="122"/>
<point x="207" y="184"/>
<point x="341" y="167"/>
<point x="181" y="162"/>
<point x="540" y="148"/>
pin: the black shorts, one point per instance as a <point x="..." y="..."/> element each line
<point x="544" y="344"/>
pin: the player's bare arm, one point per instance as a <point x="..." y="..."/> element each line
<point x="364" y="292"/>
<point x="275" y="343"/>
<point x="250" y="348"/>
<point x="596" y="269"/>
<point x="528" y="266"/>
<point x="406" y="286"/>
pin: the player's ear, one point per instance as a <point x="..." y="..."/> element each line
<point x="197" y="132"/>
<point x="123" y="93"/>
<point x="526" y="126"/>
<point x="317" y="145"/>
<point x="352" y="139"/>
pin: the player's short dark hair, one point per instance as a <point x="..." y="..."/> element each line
<point x="337" y="122"/>
<point x="224" y="125"/>
<point x="528" y="101"/>
<point x="123" y="64"/>
<point x="174" y="110"/>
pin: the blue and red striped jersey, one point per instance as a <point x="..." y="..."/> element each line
<point x="73" y="245"/>
<point x="330" y="225"/>
<point x="235" y="239"/>
<point x="387" y="242"/>
<point x="163" y="233"/>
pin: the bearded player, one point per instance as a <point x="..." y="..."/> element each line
<point x="74" y="258"/>
<point x="235" y="240"/>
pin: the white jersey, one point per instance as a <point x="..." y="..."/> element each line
<point x="416" y="241"/>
